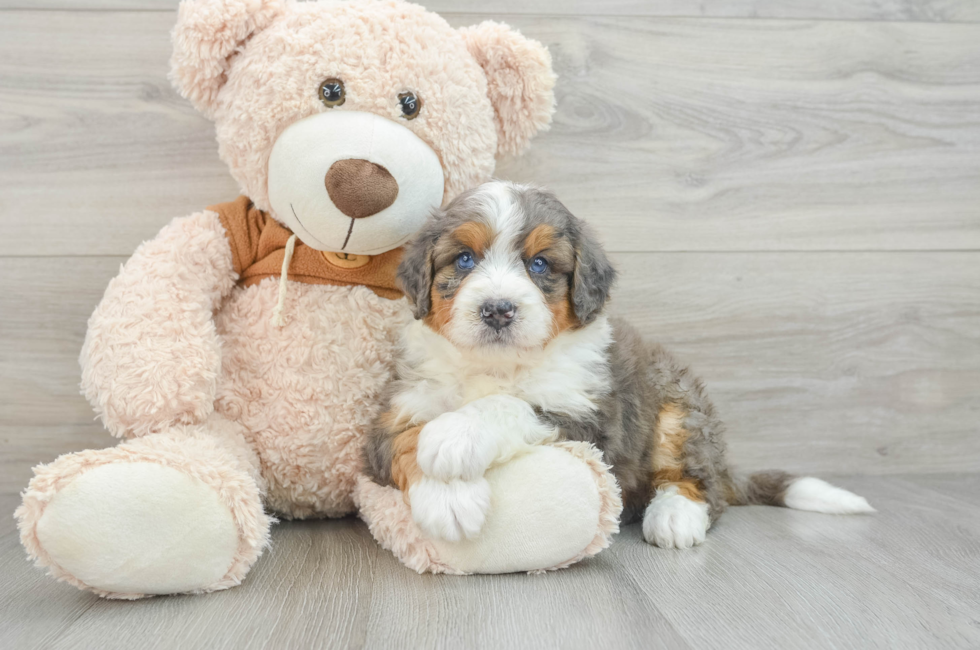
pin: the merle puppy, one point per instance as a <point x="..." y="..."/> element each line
<point x="512" y="347"/>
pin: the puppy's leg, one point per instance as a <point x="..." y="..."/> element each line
<point x="449" y="510"/>
<point x="462" y="444"/>
<point x="679" y="514"/>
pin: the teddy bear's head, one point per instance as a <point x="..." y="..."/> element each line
<point x="350" y="121"/>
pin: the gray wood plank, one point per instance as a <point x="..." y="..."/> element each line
<point x="671" y="134"/>
<point x="586" y="606"/>
<point x="44" y="308"/>
<point x="818" y="362"/>
<point x="34" y="609"/>
<point x="905" y="577"/>
<point x="310" y="590"/>
<point x="827" y="362"/>
<point x="773" y="578"/>
<point x="959" y="487"/>
<point x="879" y="10"/>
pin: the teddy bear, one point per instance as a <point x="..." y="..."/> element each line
<point x="239" y="354"/>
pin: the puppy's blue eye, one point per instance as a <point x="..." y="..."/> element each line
<point x="539" y="265"/>
<point x="465" y="262"/>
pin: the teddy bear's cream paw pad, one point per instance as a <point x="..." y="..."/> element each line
<point x="674" y="521"/>
<point x="450" y="511"/>
<point x="546" y="510"/>
<point x="139" y="528"/>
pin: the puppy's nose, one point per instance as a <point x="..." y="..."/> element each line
<point x="498" y="314"/>
<point x="360" y="188"/>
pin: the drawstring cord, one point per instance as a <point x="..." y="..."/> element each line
<point x="277" y="318"/>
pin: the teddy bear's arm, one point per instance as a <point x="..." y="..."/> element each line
<point x="151" y="355"/>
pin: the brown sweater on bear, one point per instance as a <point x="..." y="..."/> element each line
<point x="258" y="246"/>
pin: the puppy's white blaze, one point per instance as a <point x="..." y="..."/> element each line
<point x="503" y="215"/>
<point x="450" y="511"/>
<point x="674" y="521"/>
<point x="815" y="495"/>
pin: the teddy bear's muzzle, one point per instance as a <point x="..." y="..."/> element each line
<point x="360" y="188"/>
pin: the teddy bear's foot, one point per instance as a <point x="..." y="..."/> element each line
<point x="549" y="508"/>
<point x="175" y="512"/>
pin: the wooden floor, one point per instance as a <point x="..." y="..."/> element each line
<point x="791" y="189"/>
<point x="906" y="577"/>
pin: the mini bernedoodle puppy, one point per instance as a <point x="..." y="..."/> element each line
<point x="511" y="347"/>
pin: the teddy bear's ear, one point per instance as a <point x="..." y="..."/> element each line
<point x="520" y="82"/>
<point x="207" y="35"/>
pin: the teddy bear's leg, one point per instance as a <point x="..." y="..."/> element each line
<point x="174" y="512"/>
<point x="550" y="507"/>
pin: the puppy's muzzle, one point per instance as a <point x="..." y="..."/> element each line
<point x="498" y="314"/>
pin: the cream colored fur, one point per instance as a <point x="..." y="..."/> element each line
<point x="551" y="507"/>
<point x="161" y="518"/>
<point x="227" y="416"/>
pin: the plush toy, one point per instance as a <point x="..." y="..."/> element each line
<point x="241" y="351"/>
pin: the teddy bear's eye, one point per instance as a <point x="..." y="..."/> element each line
<point x="332" y="93"/>
<point x="411" y="105"/>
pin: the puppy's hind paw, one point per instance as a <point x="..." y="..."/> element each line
<point x="450" y="511"/>
<point x="674" y="521"/>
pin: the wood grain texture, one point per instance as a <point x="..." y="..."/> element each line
<point x="818" y="362"/>
<point x="718" y="134"/>
<point x="671" y="134"/>
<point x="907" y="577"/>
<point x="878" y="10"/>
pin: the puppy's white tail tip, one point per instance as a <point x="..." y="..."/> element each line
<point x="815" y="495"/>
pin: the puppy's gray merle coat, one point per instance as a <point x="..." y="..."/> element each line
<point x="511" y="347"/>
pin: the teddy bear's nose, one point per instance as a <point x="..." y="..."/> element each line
<point x="360" y="188"/>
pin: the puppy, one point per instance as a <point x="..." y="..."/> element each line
<point x="511" y="347"/>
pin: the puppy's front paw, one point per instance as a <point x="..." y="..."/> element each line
<point x="674" y="521"/>
<point x="450" y="511"/>
<point x="452" y="447"/>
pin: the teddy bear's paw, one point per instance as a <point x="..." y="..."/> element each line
<point x="128" y="529"/>
<point x="674" y="521"/>
<point x="452" y="446"/>
<point x="451" y="510"/>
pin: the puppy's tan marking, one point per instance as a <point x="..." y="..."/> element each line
<point x="474" y="235"/>
<point x="442" y="307"/>
<point x="668" y="453"/>
<point x="545" y="238"/>
<point x="404" y="466"/>
<point x="562" y="316"/>
<point x="540" y="239"/>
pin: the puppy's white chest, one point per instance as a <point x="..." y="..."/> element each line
<point x="478" y="386"/>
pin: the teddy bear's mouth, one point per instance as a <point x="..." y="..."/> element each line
<point x="349" y="232"/>
<point x="310" y="235"/>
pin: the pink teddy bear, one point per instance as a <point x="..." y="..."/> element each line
<point x="240" y="352"/>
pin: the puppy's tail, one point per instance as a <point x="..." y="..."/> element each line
<point x="776" y="488"/>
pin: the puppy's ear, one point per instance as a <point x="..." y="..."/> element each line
<point x="416" y="270"/>
<point x="593" y="277"/>
<point x="520" y="82"/>
<point x="207" y="35"/>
